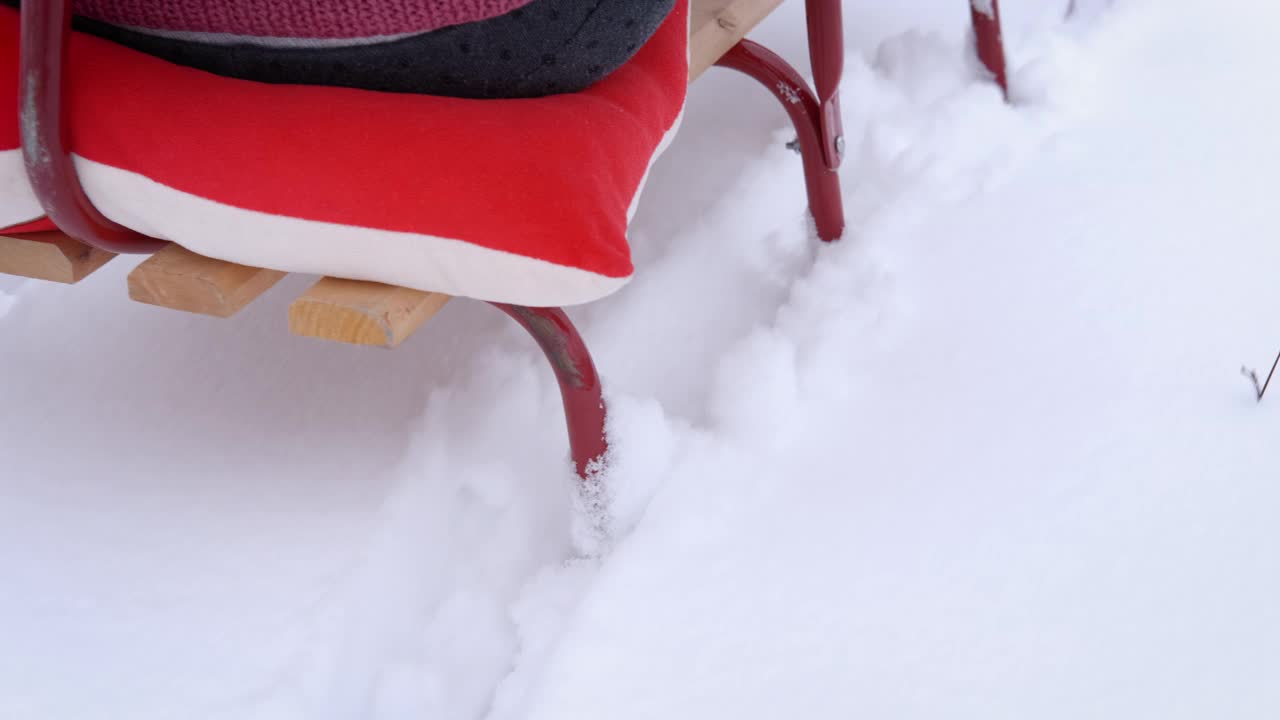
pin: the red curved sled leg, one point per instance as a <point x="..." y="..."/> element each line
<point x="826" y="56"/>
<point x="986" y="29"/>
<point x="584" y="408"/>
<point x="821" y="179"/>
<point x="46" y="28"/>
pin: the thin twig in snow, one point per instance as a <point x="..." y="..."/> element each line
<point x="1261" y="387"/>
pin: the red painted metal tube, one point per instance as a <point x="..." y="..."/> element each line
<point x="990" y="40"/>
<point x="45" y="34"/>
<point x="822" y="182"/>
<point x="826" y="55"/>
<point x="584" y="408"/>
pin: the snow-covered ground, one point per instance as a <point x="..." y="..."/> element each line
<point x="989" y="457"/>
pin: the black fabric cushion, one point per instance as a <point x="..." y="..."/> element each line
<point x="544" y="48"/>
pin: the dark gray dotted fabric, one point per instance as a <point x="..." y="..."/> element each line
<point x="544" y="48"/>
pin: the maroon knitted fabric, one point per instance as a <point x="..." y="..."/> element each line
<point x="295" y="18"/>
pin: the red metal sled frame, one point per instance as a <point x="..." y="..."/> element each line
<point x="44" y="41"/>
<point x="817" y="132"/>
<point x="45" y="34"/>
<point x="816" y="116"/>
<point x="990" y="40"/>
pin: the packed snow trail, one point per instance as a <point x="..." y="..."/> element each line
<point x="991" y="456"/>
<point x="994" y="460"/>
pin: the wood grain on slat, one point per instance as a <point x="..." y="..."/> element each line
<point x="179" y="279"/>
<point x="49" y="256"/>
<point x="718" y="25"/>
<point x="362" y="313"/>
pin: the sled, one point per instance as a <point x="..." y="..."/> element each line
<point x="364" y="312"/>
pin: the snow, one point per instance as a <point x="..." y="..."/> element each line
<point x="990" y="456"/>
<point x="7" y="301"/>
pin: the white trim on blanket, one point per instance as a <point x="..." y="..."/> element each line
<point x="259" y="239"/>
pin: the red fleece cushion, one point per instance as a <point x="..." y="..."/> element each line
<point x="547" y="178"/>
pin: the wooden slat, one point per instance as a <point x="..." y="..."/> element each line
<point x="718" y="25"/>
<point x="179" y="279"/>
<point x="49" y="256"/>
<point x="362" y="313"/>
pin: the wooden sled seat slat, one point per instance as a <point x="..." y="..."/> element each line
<point x="362" y="313"/>
<point x="179" y="279"/>
<point x="50" y="256"/>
